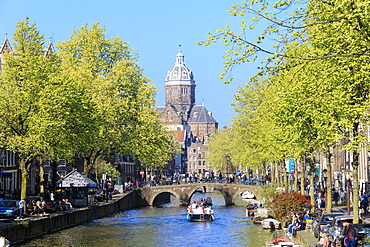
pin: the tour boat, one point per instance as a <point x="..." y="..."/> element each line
<point x="200" y="213"/>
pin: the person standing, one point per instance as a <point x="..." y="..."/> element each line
<point x="365" y="202"/>
<point x="52" y="196"/>
<point x="336" y="197"/>
<point x="352" y="232"/>
<point x="105" y="190"/>
<point x="342" y="195"/>
<point x="21" y="207"/>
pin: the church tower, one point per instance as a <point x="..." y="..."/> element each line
<point x="180" y="88"/>
<point x="190" y="123"/>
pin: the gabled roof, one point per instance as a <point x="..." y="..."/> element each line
<point x="75" y="179"/>
<point x="5" y="47"/>
<point x="200" y="114"/>
<point x="49" y="50"/>
<point x="180" y="135"/>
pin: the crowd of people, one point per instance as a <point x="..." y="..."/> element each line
<point x="203" y="206"/>
<point x="298" y="222"/>
<point x="40" y="207"/>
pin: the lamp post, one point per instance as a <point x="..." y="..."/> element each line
<point x="227" y="166"/>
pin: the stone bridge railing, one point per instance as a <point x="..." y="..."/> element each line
<point x="184" y="192"/>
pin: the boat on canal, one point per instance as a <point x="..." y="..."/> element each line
<point x="200" y="213"/>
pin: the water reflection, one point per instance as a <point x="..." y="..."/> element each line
<point x="163" y="226"/>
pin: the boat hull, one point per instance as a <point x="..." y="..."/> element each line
<point x="271" y="224"/>
<point x="200" y="217"/>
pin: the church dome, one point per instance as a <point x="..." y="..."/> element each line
<point x="180" y="74"/>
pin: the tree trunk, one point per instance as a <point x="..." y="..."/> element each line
<point x="24" y="172"/>
<point x="302" y="171"/>
<point x="41" y="174"/>
<point x="273" y="173"/>
<point x="355" y="188"/>
<point x="295" y="174"/>
<point x="54" y="167"/>
<point x="312" y="176"/>
<point x="278" y="174"/>
<point x="329" y="181"/>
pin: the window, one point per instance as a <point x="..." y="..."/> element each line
<point x="174" y="91"/>
<point x="184" y="91"/>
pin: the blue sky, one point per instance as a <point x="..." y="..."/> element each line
<point x="154" y="29"/>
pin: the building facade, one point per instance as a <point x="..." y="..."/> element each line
<point x="192" y="124"/>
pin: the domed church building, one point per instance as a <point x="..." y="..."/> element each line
<point x="192" y="123"/>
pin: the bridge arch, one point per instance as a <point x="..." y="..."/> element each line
<point x="184" y="192"/>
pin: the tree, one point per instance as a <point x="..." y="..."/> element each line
<point x="219" y="148"/>
<point x="336" y="35"/>
<point x="120" y="97"/>
<point x="25" y="85"/>
<point x="285" y="202"/>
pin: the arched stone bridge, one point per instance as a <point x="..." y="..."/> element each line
<point x="184" y="192"/>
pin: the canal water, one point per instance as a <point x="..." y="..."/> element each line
<point x="164" y="226"/>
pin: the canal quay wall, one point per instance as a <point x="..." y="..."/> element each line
<point x="19" y="231"/>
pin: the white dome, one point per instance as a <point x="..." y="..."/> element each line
<point x="180" y="74"/>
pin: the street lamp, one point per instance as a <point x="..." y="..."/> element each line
<point x="227" y="166"/>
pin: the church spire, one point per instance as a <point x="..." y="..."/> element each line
<point x="50" y="49"/>
<point x="5" y="47"/>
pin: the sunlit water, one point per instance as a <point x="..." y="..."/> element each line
<point x="164" y="226"/>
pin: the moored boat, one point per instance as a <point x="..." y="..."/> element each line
<point x="270" y="224"/>
<point x="251" y="208"/>
<point x="282" y="242"/>
<point x="247" y="195"/>
<point x="260" y="214"/>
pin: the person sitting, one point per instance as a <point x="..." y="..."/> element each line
<point x="293" y="222"/>
<point x="67" y="205"/>
<point x="59" y="206"/>
<point x="31" y="207"/>
<point x="324" y="240"/>
<point x="301" y="225"/>
<point x="39" y="208"/>
<point x="99" y="196"/>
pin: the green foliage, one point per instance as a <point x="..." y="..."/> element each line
<point x="267" y="193"/>
<point x="24" y="223"/>
<point x="107" y="168"/>
<point x="122" y="101"/>
<point x="89" y="100"/>
<point x="284" y="203"/>
<point x="219" y="147"/>
<point x="315" y="77"/>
